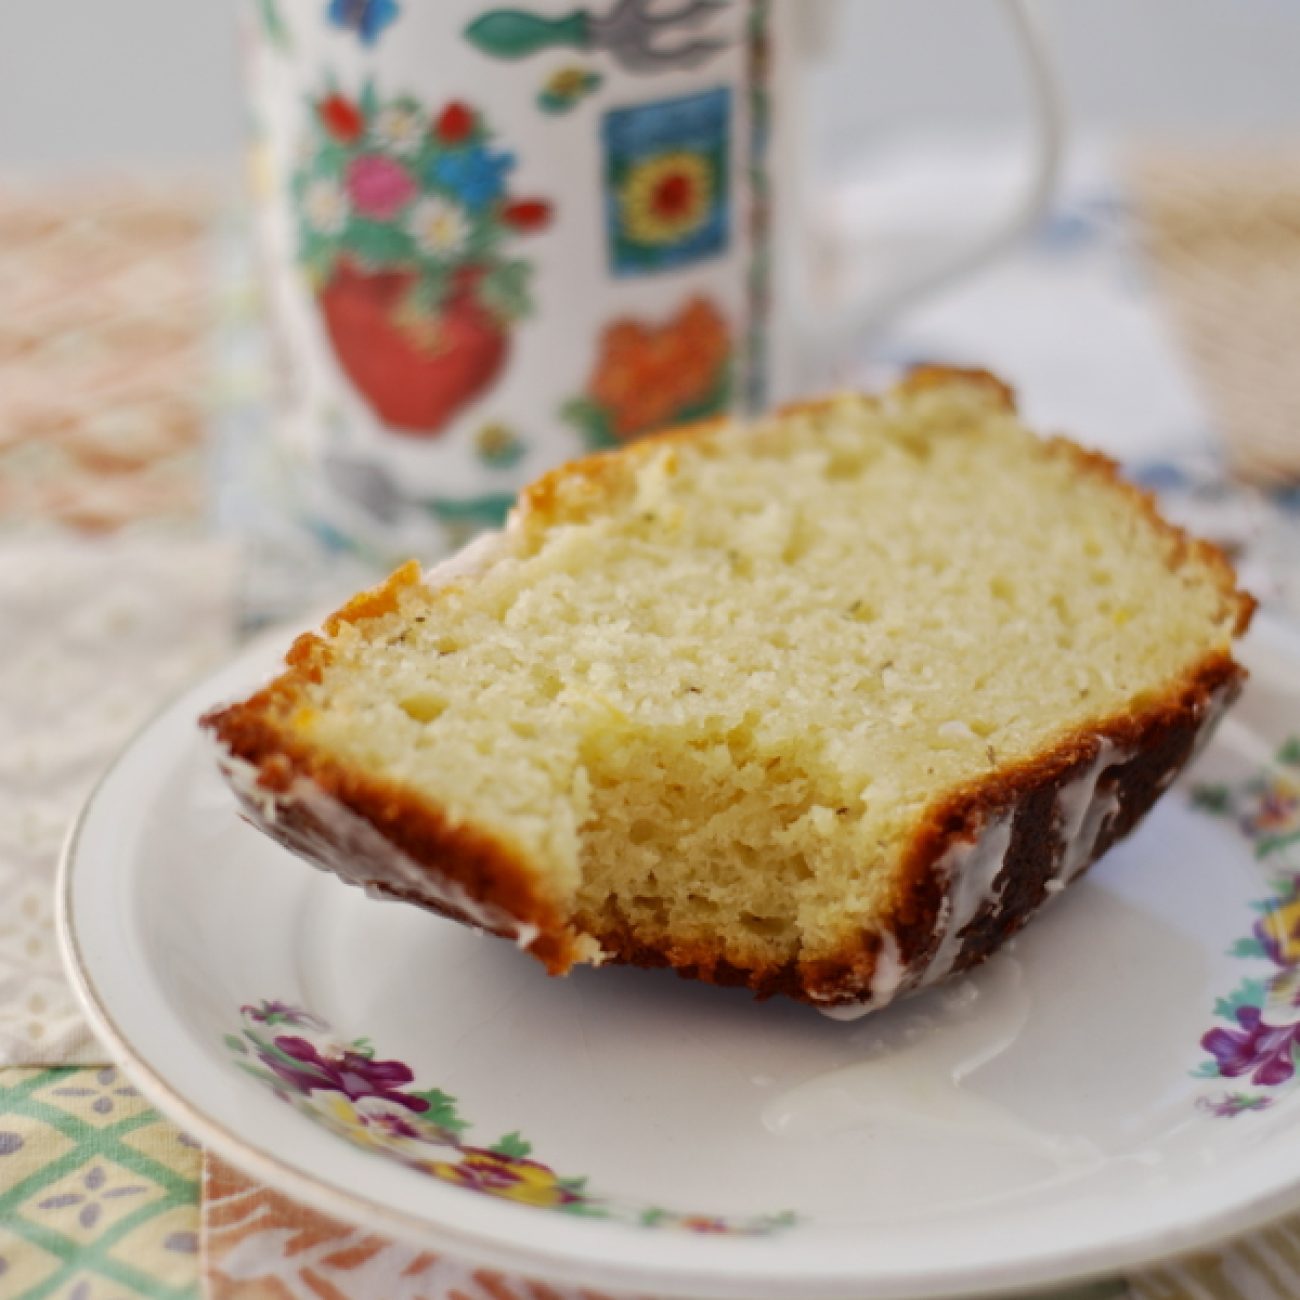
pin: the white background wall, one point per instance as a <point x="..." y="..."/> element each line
<point x="103" y="83"/>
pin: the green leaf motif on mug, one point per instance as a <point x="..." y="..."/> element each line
<point x="515" y="33"/>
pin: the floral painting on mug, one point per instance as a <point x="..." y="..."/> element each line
<point x="666" y="182"/>
<point x="648" y="376"/>
<point x="405" y="220"/>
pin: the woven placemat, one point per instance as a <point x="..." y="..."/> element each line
<point x="1223" y="233"/>
<point x="105" y="308"/>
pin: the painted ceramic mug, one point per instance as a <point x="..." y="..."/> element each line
<point x="499" y="237"/>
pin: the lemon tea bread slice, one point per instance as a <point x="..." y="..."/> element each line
<point x="827" y="706"/>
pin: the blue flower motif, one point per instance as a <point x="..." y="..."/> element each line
<point x="476" y="175"/>
<point x="367" y="18"/>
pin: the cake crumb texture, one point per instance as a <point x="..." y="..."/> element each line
<point x="721" y="699"/>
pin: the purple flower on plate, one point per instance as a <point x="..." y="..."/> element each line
<point x="275" y="1012"/>
<point x="1232" y="1104"/>
<point x="347" y="1071"/>
<point x="1258" y="1049"/>
<point x="397" y="1127"/>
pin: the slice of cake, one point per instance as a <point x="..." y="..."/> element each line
<point x="826" y="706"/>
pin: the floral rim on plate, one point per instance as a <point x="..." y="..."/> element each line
<point x="1262" y="1041"/>
<point x="373" y="1104"/>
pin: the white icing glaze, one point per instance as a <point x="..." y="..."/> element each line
<point x="971" y="868"/>
<point x="1074" y="799"/>
<point x="890" y="971"/>
<point x="1212" y="711"/>
<point x="241" y="776"/>
<point x="526" y="935"/>
<point x="1082" y="811"/>
<point x="887" y="980"/>
<point x="850" y="1010"/>
<point x="362" y="855"/>
<point x="469" y="561"/>
<point x="399" y="870"/>
<point x="921" y="1072"/>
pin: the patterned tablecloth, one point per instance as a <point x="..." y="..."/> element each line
<point x="133" y="437"/>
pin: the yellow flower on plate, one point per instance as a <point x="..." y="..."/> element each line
<point x="666" y="198"/>
<point x="1279" y="930"/>
<point x="376" y="1125"/>
<point x="514" y="1178"/>
<point x="340" y="1113"/>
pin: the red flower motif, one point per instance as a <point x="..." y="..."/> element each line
<point x="341" y="118"/>
<point x="674" y="196"/>
<point x="455" y="123"/>
<point x="527" y="215"/>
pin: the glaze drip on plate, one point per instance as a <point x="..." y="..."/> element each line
<point x="1085" y="807"/>
<point x="975" y="878"/>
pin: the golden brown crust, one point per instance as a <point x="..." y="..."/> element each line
<point x="377" y="601"/>
<point x="495" y="879"/>
<point x="1240" y="603"/>
<point x="923" y="377"/>
<point x="497" y="885"/>
<point x="353" y="824"/>
<point x="562" y="493"/>
<point x="1152" y="745"/>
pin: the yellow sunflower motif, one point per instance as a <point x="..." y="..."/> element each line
<point x="666" y="198"/>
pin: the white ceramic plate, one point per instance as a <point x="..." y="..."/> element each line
<point x="1117" y="1086"/>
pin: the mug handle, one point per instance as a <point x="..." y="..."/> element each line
<point x="826" y="327"/>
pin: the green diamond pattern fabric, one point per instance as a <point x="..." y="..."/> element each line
<point x="98" y="1194"/>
